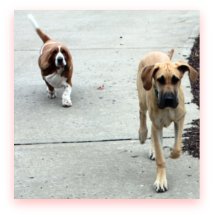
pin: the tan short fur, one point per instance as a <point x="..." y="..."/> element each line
<point x="151" y="68"/>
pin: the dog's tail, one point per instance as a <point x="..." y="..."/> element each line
<point x="170" y="53"/>
<point x="41" y="34"/>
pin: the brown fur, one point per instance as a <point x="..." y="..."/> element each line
<point x="46" y="60"/>
<point x="47" y="65"/>
<point x="153" y="66"/>
<point x="55" y="62"/>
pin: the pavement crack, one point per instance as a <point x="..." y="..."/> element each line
<point x="85" y="141"/>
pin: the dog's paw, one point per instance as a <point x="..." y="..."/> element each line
<point x="51" y="94"/>
<point x="160" y="185"/>
<point x="175" y="153"/>
<point x="66" y="102"/>
<point x="151" y="155"/>
<point x="142" y="135"/>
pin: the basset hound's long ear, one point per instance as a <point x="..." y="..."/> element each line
<point x="44" y="60"/>
<point x="147" y="74"/>
<point x="68" y="57"/>
<point x="183" y="67"/>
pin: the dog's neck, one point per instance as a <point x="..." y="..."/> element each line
<point x="61" y="70"/>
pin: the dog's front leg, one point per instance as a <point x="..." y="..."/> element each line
<point x="176" y="151"/>
<point x="66" y="96"/>
<point x="152" y="149"/>
<point x="161" y="181"/>
<point x="143" y="128"/>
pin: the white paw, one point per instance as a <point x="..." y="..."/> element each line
<point x="66" y="102"/>
<point x="51" y="94"/>
<point x="160" y="185"/>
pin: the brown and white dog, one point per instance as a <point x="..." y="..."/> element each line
<point x="160" y="93"/>
<point x="55" y="62"/>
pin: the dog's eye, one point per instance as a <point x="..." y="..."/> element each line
<point x="161" y="80"/>
<point x="63" y="51"/>
<point x="175" y="79"/>
<point x="55" y="51"/>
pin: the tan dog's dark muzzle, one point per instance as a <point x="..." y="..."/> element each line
<point x="167" y="100"/>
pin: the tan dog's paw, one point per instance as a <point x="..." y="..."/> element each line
<point x="151" y="155"/>
<point x="175" y="153"/>
<point x="160" y="185"/>
<point x="142" y="135"/>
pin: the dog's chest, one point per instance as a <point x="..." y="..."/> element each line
<point x="56" y="80"/>
<point x="166" y="118"/>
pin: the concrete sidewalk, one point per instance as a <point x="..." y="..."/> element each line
<point x="101" y="129"/>
<point x="119" y="169"/>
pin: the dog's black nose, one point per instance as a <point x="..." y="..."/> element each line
<point x="170" y="100"/>
<point x="60" y="60"/>
<point x="169" y="96"/>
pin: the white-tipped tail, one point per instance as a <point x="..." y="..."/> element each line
<point x="33" y="21"/>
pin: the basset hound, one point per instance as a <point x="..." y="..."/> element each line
<point x="55" y="62"/>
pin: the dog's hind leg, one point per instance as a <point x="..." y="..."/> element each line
<point x="143" y="127"/>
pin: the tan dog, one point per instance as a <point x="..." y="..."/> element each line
<point x="160" y="92"/>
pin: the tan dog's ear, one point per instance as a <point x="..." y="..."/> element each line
<point x="147" y="74"/>
<point x="183" y="67"/>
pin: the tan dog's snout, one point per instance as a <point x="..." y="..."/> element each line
<point x="167" y="99"/>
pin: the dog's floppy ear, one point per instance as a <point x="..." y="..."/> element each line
<point x="183" y="67"/>
<point x="68" y="57"/>
<point x="44" y="60"/>
<point x="147" y="74"/>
